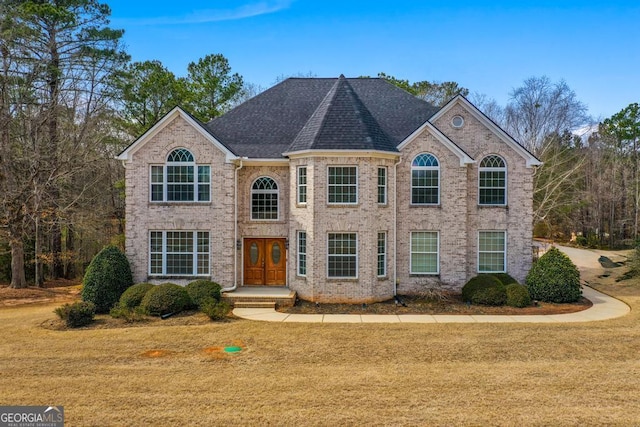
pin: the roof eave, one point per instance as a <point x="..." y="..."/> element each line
<point x="126" y="155"/>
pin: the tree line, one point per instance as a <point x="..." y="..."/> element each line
<point x="71" y="100"/>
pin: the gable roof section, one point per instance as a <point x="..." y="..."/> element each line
<point x="321" y="113"/>
<point x="342" y="121"/>
<point x="127" y="153"/>
<point x="465" y="159"/>
<point x="491" y="125"/>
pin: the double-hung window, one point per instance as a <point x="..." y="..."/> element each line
<point x="302" y="253"/>
<point x="343" y="185"/>
<point x="382" y="186"/>
<point x="302" y="185"/>
<point x="382" y="254"/>
<point x="425" y="180"/>
<point x="342" y="255"/>
<point x="180" y="179"/>
<point x="424" y="252"/>
<point x="492" y="251"/>
<point x="179" y="253"/>
<point x="492" y="182"/>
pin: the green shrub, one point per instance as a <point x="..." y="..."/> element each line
<point x="164" y="299"/>
<point x="78" y="314"/>
<point x="554" y="278"/>
<point x="202" y="290"/>
<point x="132" y="297"/>
<point x="216" y="310"/>
<point x="505" y="278"/>
<point x="481" y="281"/>
<point x="518" y="296"/>
<point x="129" y="315"/>
<point x="107" y="277"/>
<point x="494" y="295"/>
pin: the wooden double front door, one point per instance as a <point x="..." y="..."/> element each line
<point x="265" y="262"/>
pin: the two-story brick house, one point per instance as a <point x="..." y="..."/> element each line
<point x="339" y="189"/>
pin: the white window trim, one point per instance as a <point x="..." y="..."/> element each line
<point x="436" y="168"/>
<point x="300" y="253"/>
<point x="164" y="254"/>
<point x="506" y="180"/>
<point x="305" y="185"/>
<point x="504" y="260"/>
<point x="357" y="257"/>
<point x="437" y="253"/>
<point x="165" y="183"/>
<point x="385" y="186"/>
<point x="384" y="254"/>
<point x="252" y="191"/>
<point x="356" y="184"/>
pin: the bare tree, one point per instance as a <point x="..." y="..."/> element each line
<point x="540" y="108"/>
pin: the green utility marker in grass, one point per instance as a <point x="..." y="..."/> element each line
<point x="233" y="349"/>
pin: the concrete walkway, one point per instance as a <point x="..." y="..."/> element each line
<point x="604" y="307"/>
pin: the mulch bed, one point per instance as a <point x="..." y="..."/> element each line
<point x="419" y="305"/>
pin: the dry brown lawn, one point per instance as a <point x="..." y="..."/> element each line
<point x="328" y="374"/>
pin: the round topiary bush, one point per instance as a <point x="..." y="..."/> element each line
<point x="203" y="290"/>
<point x="518" y="295"/>
<point x="80" y="313"/>
<point x="554" y="278"/>
<point x="107" y="277"/>
<point x="505" y="278"/>
<point x="492" y="295"/>
<point x="164" y="299"/>
<point x="132" y="297"/>
<point x="481" y="281"/>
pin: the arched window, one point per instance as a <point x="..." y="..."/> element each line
<point x="425" y="180"/>
<point x="492" y="181"/>
<point x="180" y="179"/>
<point x="264" y="199"/>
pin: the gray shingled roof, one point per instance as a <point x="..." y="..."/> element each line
<point x="322" y="114"/>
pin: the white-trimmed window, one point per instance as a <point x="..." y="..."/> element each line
<point x="342" y="255"/>
<point x="492" y="181"/>
<point x="492" y="251"/>
<point x="179" y="253"/>
<point x="425" y="180"/>
<point x="264" y="199"/>
<point x="302" y="185"/>
<point x="180" y="179"/>
<point x="382" y="254"/>
<point x="302" y="253"/>
<point x="425" y="257"/>
<point x="382" y="186"/>
<point x="343" y="185"/>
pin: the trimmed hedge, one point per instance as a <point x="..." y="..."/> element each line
<point x="164" y="299"/>
<point x="518" y="295"/>
<point x="80" y="313"/>
<point x="554" y="278"/>
<point x="132" y="297"/>
<point x="505" y="278"/>
<point x="478" y="283"/>
<point x="492" y="295"/>
<point x="201" y="291"/>
<point x="107" y="277"/>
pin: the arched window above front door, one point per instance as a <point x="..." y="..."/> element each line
<point x="264" y="199"/>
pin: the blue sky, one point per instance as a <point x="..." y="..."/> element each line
<point x="489" y="47"/>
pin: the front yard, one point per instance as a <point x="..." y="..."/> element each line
<point x="321" y="374"/>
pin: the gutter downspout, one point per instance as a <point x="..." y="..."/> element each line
<point x="235" y="230"/>
<point x="395" y="227"/>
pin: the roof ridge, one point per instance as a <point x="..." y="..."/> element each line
<point x="314" y="124"/>
<point x="372" y="136"/>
